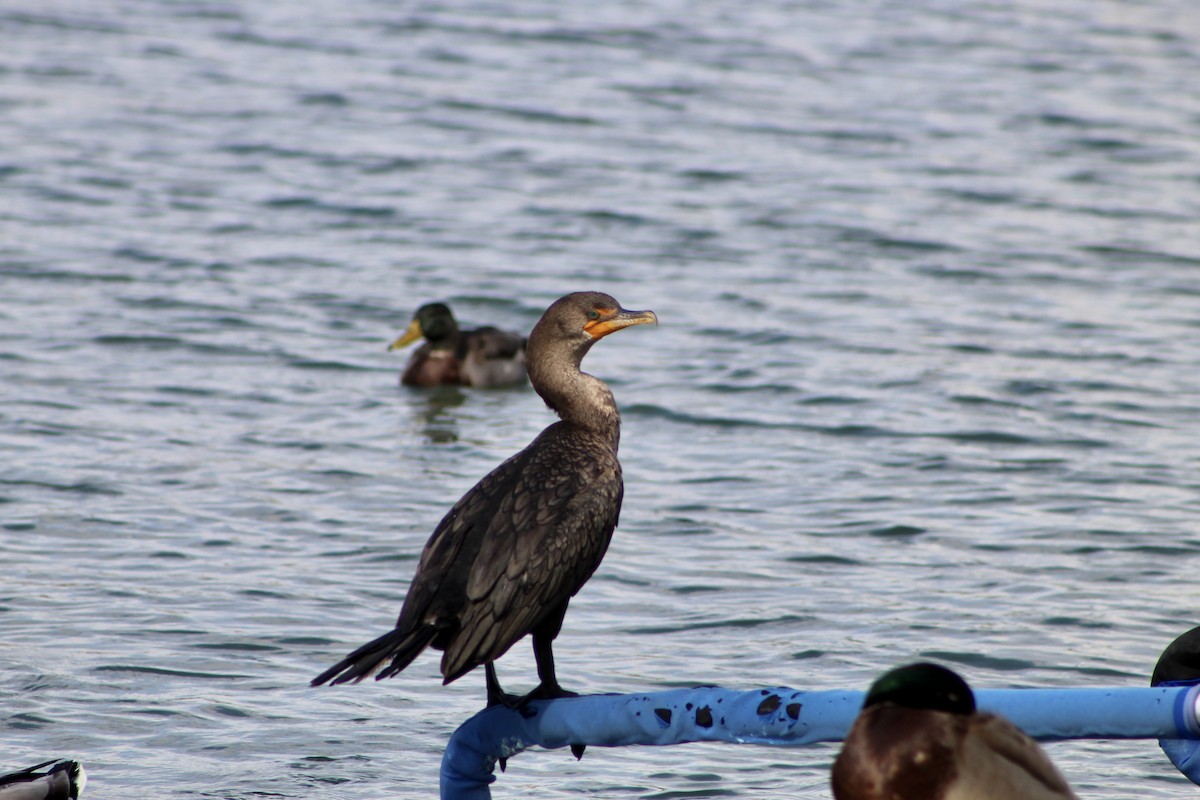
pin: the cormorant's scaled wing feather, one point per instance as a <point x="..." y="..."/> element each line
<point x="437" y="594"/>
<point x="545" y="540"/>
<point x="453" y="547"/>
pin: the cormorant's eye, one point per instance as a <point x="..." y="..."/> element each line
<point x="593" y="314"/>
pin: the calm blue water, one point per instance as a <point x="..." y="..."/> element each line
<point x="926" y="383"/>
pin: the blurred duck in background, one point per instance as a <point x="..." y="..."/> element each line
<point x="482" y="357"/>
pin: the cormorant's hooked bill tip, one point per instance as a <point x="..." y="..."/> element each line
<point x="616" y="320"/>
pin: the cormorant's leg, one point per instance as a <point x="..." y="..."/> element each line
<point x="544" y="655"/>
<point x="495" y="695"/>
<point x="543" y="638"/>
<point x="549" y="687"/>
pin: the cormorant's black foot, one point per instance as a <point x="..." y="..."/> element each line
<point x="503" y="762"/>
<point x="498" y="697"/>
<point x="546" y="692"/>
<point x="552" y="692"/>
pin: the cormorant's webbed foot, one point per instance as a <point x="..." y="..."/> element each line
<point x="496" y="696"/>
<point x="546" y="691"/>
<point x="553" y="692"/>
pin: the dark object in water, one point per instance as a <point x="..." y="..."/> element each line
<point x="64" y="780"/>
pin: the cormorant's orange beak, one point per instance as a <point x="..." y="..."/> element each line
<point x="612" y="320"/>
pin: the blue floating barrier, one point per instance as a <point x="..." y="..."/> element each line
<point x="782" y="716"/>
<point x="1184" y="752"/>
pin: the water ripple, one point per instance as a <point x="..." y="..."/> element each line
<point x="924" y="379"/>
<point x="174" y="673"/>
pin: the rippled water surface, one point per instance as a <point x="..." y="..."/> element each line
<point x="926" y="382"/>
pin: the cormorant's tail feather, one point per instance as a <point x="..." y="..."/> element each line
<point x="63" y="781"/>
<point x="401" y="646"/>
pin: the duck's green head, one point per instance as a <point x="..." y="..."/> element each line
<point x="433" y="321"/>
<point x="923" y="685"/>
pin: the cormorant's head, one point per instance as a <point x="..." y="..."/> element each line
<point x="583" y="318"/>
<point x="923" y="686"/>
<point x="432" y="321"/>
<point x="557" y="345"/>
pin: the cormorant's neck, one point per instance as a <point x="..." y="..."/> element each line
<point x="579" y="398"/>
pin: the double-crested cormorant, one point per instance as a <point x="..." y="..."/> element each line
<point x="919" y="737"/>
<point x="51" y="780"/>
<point x="510" y="555"/>
<point x="482" y="357"/>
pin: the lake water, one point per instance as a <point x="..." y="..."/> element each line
<point x="926" y="383"/>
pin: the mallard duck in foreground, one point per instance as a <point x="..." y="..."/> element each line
<point x="64" y="780"/>
<point x="483" y="357"/>
<point x="919" y="737"/>
<point x="511" y="554"/>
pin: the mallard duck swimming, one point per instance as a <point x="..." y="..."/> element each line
<point x="62" y="781"/>
<point x="510" y="555"/>
<point x="919" y="737"/>
<point x="483" y="357"/>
